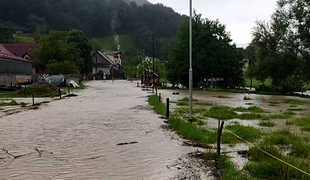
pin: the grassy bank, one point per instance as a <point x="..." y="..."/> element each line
<point x="158" y="106"/>
<point x="24" y="38"/>
<point x="291" y="148"/>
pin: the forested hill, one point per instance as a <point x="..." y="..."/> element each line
<point x="97" y="18"/>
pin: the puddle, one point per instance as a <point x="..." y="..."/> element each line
<point x="213" y="123"/>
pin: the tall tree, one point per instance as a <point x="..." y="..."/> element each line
<point x="213" y="54"/>
<point x="81" y="43"/>
<point x="55" y="52"/>
<point x="6" y="33"/>
<point x="277" y="50"/>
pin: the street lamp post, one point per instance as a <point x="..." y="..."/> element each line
<point x="153" y="75"/>
<point x="190" y="63"/>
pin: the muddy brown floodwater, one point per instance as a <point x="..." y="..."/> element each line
<point x="107" y="132"/>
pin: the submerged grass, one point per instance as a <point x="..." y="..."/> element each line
<point x="11" y="103"/>
<point x="274" y="103"/>
<point x="296" y="102"/>
<point x="296" y="109"/>
<point x="263" y="166"/>
<point x="185" y="102"/>
<point x="253" y="109"/>
<point x="222" y="97"/>
<point x="266" y="123"/>
<point x="158" y="106"/>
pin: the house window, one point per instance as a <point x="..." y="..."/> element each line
<point x="27" y="57"/>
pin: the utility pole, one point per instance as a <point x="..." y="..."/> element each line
<point x="190" y="62"/>
<point x="153" y="75"/>
<point x="143" y="73"/>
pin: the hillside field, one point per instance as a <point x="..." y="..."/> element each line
<point x="24" y="38"/>
<point x="107" y="43"/>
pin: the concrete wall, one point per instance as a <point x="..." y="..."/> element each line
<point x="6" y="80"/>
<point x="12" y="71"/>
<point x="12" y="67"/>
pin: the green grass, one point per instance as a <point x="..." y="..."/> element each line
<point x="221" y="113"/>
<point x="185" y="102"/>
<point x="256" y="83"/>
<point x="296" y="109"/>
<point x="107" y="43"/>
<point x="266" y="123"/>
<point x="263" y="166"/>
<point x="296" y="102"/>
<point x="192" y="132"/>
<point x="303" y="122"/>
<point x="11" y="103"/>
<point x="250" y="116"/>
<point x="24" y="38"/>
<point x="230" y="172"/>
<point x="158" y="106"/>
<point x="253" y="109"/>
<point x="246" y="132"/>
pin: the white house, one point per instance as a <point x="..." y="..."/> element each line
<point x="103" y="61"/>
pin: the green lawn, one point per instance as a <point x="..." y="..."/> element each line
<point x="24" y="38"/>
<point x="256" y="83"/>
<point x="106" y="43"/>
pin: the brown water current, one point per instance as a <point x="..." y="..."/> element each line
<point x="104" y="133"/>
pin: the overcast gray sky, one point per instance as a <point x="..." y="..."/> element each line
<point x="239" y="16"/>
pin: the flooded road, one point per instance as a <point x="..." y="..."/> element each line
<point x="77" y="138"/>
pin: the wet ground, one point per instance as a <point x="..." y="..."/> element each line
<point x="107" y="132"/>
<point x="234" y="100"/>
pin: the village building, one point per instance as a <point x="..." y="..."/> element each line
<point x="108" y="63"/>
<point x="13" y="69"/>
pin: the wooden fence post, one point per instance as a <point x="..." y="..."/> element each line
<point x="219" y="134"/>
<point x="167" y="108"/>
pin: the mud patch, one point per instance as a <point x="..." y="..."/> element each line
<point x="193" y="166"/>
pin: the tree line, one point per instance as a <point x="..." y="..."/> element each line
<point x="214" y="55"/>
<point x="280" y="48"/>
<point x="96" y="18"/>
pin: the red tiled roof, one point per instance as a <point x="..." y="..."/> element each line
<point x="6" y="54"/>
<point x="21" y="49"/>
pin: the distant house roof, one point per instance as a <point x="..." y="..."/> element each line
<point x="105" y="57"/>
<point x="151" y="58"/>
<point x="21" y="50"/>
<point x="105" y="54"/>
<point x="6" y="54"/>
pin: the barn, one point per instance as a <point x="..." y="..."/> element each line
<point x="13" y="69"/>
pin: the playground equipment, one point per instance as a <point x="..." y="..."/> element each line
<point x="150" y="78"/>
<point x="210" y="82"/>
